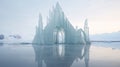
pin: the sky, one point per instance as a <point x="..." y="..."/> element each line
<point x="21" y="16"/>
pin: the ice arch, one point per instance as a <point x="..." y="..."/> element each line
<point x="59" y="35"/>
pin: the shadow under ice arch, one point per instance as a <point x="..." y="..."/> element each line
<point x="60" y="30"/>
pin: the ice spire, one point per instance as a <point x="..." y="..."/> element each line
<point x="86" y="29"/>
<point x="56" y="16"/>
<point x="57" y="6"/>
<point x="40" y="24"/>
<point x="38" y="39"/>
<point x="58" y="9"/>
<point x="86" y="23"/>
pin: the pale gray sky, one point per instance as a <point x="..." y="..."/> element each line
<point x="21" y="16"/>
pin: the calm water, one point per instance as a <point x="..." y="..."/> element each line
<point x="94" y="55"/>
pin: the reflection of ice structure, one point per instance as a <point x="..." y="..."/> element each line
<point x="61" y="50"/>
<point x="59" y="30"/>
<point x="61" y="55"/>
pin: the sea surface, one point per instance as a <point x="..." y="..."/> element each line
<point x="60" y="55"/>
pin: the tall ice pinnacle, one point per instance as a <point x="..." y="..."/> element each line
<point x="56" y="16"/>
<point x="38" y="39"/>
<point x="86" y="29"/>
<point x="40" y="24"/>
<point x="58" y="6"/>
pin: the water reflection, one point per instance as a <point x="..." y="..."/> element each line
<point x="61" y="55"/>
<point x="1" y="44"/>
